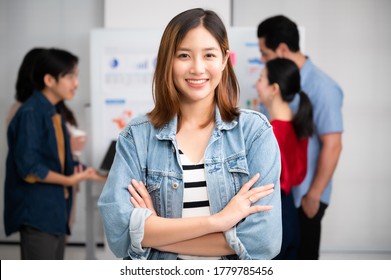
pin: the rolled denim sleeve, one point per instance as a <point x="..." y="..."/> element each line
<point x="123" y="224"/>
<point x="235" y="243"/>
<point x="136" y="233"/>
<point x="28" y="158"/>
<point x="259" y="236"/>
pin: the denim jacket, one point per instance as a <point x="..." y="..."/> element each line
<point x="33" y="151"/>
<point x="236" y="151"/>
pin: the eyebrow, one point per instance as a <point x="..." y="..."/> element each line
<point x="205" y="49"/>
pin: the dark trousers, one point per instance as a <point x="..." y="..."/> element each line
<point x="310" y="230"/>
<point x="39" y="245"/>
<point x="290" y="229"/>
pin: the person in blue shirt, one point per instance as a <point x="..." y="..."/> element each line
<point x="40" y="171"/>
<point x="194" y="177"/>
<point x="278" y="36"/>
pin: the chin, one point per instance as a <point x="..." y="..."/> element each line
<point x="70" y="96"/>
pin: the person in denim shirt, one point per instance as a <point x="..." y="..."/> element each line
<point x="195" y="114"/>
<point x="40" y="171"/>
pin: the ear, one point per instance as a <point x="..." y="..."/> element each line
<point x="225" y="59"/>
<point x="49" y="80"/>
<point x="275" y="89"/>
<point x="282" y="50"/>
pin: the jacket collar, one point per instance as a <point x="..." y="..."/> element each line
<point x="168" y="132"/>
<point x="44" y="103"/>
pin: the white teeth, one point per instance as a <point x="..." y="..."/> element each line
<point x="196" y="81"/>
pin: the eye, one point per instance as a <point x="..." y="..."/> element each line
<point x="183" y="55"/>
<point x="71" y="75"/>
<point x="210" y="55"/>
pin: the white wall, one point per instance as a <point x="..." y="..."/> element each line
<point x="155" y="13"/>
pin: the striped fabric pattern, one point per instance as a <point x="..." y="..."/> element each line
<point x="195" y="195"/>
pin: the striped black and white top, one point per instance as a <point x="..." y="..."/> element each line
<point x="195" y="194"/>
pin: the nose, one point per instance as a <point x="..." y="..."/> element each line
<point x="76" y="81"/>
<point x="263" y="59"/>
<point x="198" y="66"/>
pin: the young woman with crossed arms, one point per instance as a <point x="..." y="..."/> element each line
<point x="210" y="171"/>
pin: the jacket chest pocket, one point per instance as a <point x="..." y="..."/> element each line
<point x="154" y="182"/>
<point x="238" y="171"/>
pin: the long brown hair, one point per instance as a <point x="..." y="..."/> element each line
<point x="164" y="91"/>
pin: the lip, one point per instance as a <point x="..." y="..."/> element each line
<point x="196" y="83"/>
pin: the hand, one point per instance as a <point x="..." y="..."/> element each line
<point x="310" y="205"/>
<point x="140" y="197"/>
<point x="97" y="177"/>
<point x="243" y="204"/>
<point x="79" y="174"/>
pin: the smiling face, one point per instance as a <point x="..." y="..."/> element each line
<point x="198" y="66"/>
<point x="62" y="88"/>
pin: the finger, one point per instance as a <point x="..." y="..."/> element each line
<point x="258" y="189"/>
<point x="143" y="192"/>
<point x="249" y="184"/>
<point x="136" y="196"/>
<point x="134" y="202"/>
<point x="260" y="195"/>
<point x="141" y="189"/>
<point x="145" y="195"/>
<point x="260" y="208"/>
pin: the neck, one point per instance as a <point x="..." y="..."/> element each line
<point x="280" y="111"/>
<point x="50" y="96"/>
<point x="298" y="58"/>
<point x="196" y="116"/>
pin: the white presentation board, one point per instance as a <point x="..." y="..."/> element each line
<point x="122" y="66"/>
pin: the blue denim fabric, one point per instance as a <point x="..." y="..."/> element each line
<point x="33" y="151"/>
<point x="236" y="151"/>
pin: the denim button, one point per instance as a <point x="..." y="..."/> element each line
<point x="175" y="186"/>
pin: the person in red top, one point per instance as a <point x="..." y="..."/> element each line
<point x="279" y="84"/>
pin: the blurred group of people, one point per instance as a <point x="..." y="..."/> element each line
<point x="315" y="113"/>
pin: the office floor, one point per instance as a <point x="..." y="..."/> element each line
<point x="11" y="252"/>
